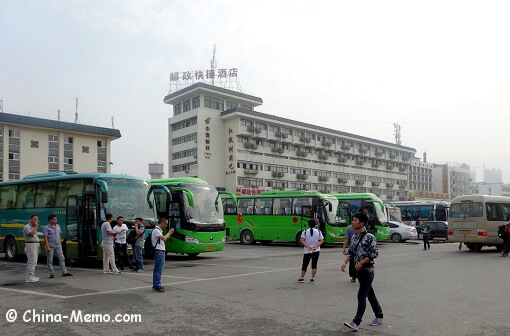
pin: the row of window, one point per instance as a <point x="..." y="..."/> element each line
<point x="184" y="139"/>
<point x="187" y="105"/>
<point x="185" y="153"/>
<point x="185" y="167"/>
<point x="184" y="124"/>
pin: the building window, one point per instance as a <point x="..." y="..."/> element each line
<point x="213" y="103"/>
<point x="247" y="107"/>
<point x="52" y="159"/>
<point x="84" y="149"/>
<point x="177" y="109"/>
<point x="101" y="144"/>
<point x="184" y="139"/>
<point x="185" y="153"/>
<point x="101" y="164"/>
<point x="231" y="105"/>
<point x="14" y="156"/>
<point x="13" y="176"/>
<point x="196" y="102"/>
<point x="34" y="143"/>
<point x="68" y="140"/>
<point x="184" y="124"/>
<point x="186" y="106"/>
<point x="245" y="122"/>
<point x="261" y="126"/>
<point x="68" y="161"/>
<point x="53" y="138"/>
<point x="13" y="134"/>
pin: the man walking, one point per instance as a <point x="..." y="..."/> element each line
<point x="31" y="247"/>
<point x="107" y="244"/>
<point x="347" y="241"/>
<point x="506" y="238"/>
<point x="158" y="241"/>
<point x="363" y="250"/>
<point x="52" y="234"/>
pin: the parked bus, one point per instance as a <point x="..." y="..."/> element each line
<point x="195" y="211"/>
<point x="282" y="216"/>
<point x="393" y="213"/>
<point x="80" y="201"/>
<point x="418" y="210"/>
<point x="474" y="220"/>
<point x="377" y="220"/>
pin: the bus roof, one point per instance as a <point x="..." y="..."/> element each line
<point x="178" y="180"/>
<point x="403" y="203"/>
<point x="287" y="193"/>
<point x="356" y="196"/>
<point x="480" y="198"/>
<point x="60" y="175"/>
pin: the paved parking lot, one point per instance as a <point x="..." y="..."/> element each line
<point x="253" y="290"/>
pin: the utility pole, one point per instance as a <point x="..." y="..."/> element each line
<point x="398" y="140"/>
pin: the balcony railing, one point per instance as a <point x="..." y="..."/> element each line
<point x="342" y="180"/>
<point x="323" y="178"/>
<point x="326" y="143"/>
<point x="359" y="182"/>
<point x="250" y="128"/>
<point x="305" y="139"/>
<point x="390" y="184"/>
<point x="251" y="171"/>
<point x="301" y="176"/>
<point x="277" y="174"/>
<point x="375" y="184"/>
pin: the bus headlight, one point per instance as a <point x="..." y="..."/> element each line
<point x="191" y="240"/>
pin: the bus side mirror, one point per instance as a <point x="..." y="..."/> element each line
<point x="104" y="196"/>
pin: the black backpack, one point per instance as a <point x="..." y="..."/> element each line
<point x="132" y="237"/>
<point x="502" y="231"/>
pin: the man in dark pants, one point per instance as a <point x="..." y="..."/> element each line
<point x="363" y="249"/>
<point x="506" y="238"/>
<point x="425" y="231"/>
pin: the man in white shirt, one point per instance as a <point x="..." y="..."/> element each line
<point x="120" y="244"/>
<point x="107" y="245"/>
<point x="31" y="247"/>
<point x="158" y="242"/>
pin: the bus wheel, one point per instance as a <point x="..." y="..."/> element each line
<point x="396" y="238"/>
<point x="478" y="247"/>
<point x="298" y="239"/>
<point x="193" y="255"/>
<point x="266" y="242"/>
<point x="499" y="248"/>
<point x="471" y="247"/>
<point x="11" y="249"/>
<point x="247" y="238"/>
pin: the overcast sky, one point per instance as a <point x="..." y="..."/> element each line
<point x="441" y="69"/>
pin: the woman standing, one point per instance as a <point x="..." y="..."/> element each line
<point x="311" y="239"/>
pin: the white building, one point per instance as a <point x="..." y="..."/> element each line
<point x="483" y="188"/>
<point x="31" y="145"/>
<point x="215" y="134"/>
<point x="451" y="178"/>
<point x="420" y="175"/>
<point x="492" y="175"/>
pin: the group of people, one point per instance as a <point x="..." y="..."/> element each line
<point x="360" y="250"/>
<point x="114" y="245"/>
<point x="52" y="243"/>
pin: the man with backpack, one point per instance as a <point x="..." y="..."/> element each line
<point x="506" y="238"/>
<point x="135" y="238"/>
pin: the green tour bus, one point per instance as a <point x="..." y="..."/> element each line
<point x="377" y="220"/>
<point x="80" y="201"/>
<point x="195" y="211"/>
<point x="282" y="216"/>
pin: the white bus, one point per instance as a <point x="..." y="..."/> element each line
<point x="420" y="210"/>
<point x="474" y="220"/>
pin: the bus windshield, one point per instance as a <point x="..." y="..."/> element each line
<point x="463" y="210"/>
<point x="127" y="198"/>
<point x="207" y="209"/>
<point x="337" y="215"/>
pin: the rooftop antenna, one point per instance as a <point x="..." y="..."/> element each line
<point x="58" y="112"/>
<point x="397" y="127"/>
<point x="112" y="120"/>
<point x="76" y="120"/>
<point x="214" y="63"/>
<point x="1" y="105"/>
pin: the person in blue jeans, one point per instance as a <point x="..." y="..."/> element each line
<point x="363" y="249"/>
<point x="158" y="241"/>
<point x="138" y="245"/>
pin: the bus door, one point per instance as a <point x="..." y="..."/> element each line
<point x="72" y="237"/>
<point x="88" y="230"/>
<point x="312" y="212"/>
<point x="174" y="222"/>
<point x="81" y="237"/>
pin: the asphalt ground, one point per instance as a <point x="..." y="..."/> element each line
<point x="253" y="290"/>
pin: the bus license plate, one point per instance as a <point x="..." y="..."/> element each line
<point x="209" y="248"/>
<point x="465" y="232"/>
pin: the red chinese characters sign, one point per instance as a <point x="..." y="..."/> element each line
<point x="230" y="144"/>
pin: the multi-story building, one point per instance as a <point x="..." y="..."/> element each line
<point x="420" y="175"/>
<point x="216" y="134"/>
<point x="483" y="188"/>
<point x="492" y="175"/>
<point x="30" y="145"/>
<point x="451" y="178"/>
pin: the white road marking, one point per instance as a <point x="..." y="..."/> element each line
<point x="33" y="293"/>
